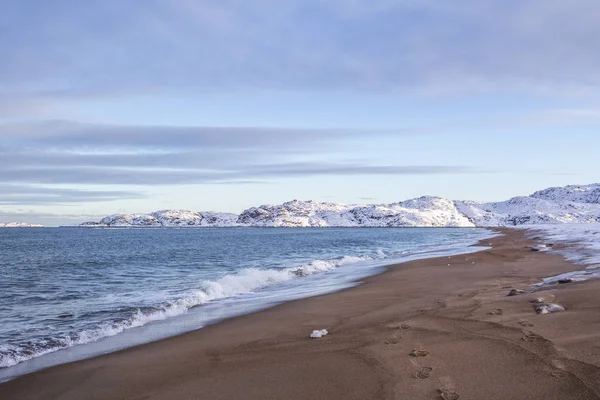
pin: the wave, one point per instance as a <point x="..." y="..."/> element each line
<point x="245" y="281"/>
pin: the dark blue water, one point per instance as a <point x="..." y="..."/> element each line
<point x="66" y="288"/>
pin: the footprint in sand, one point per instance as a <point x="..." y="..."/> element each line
<point x="419" y="353"/>
<point x="405" y="326"/>
<point x="497" y="311"/>
<point x="529" y="336"/>
<point x="522" y="322"/>
<point x="559" y="374"/>
<point x="425" y="373"/>
<point x="448" y="394"/>
<point x="448" y="390"/>
<point x="392" y="341"/>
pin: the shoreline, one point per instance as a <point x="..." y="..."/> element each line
<point x="268" y="354"/>
<point x="344" y="276"/>
<point x="280" y="227"/>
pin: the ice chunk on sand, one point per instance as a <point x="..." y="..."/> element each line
<point x="539" y="247"/>
<point x="549" y="308"/>
<point x="318" y="334"/>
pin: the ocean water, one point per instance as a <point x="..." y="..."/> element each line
<point x="69" y="293"/>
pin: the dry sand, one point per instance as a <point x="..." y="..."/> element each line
<point x="480" y="344"/>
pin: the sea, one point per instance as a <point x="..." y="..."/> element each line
<point x="72" y="293"/>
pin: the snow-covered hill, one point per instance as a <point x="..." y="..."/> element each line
<point x="570" y="204"/>
<point x="580" y="194"/>
<point x="296" y="214"/>
<point x="424" y="211"/>
<point x="19" y="225"/>
<point x="167" y="218"/>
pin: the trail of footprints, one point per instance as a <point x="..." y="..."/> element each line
<point x="447" y="390"/>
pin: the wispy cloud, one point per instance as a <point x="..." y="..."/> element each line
<point x="149" y="175"/>
<point x="23" y="194"/>
<point x="38" y="159"/>
<point x="65" y="135"/>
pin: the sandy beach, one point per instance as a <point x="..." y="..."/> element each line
<point x="471" y="342"/>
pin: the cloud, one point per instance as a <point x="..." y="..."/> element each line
<point x="148" y="174"/>
<point x="65" y="135"/>
<point x="39" y="159"/>
<point x="29" y="195"/>
<point x="462" y="45"/>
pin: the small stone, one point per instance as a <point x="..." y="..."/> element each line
<point x="561" y="281"/>
<point x="497" y="311"/>
<point x="515" y="292"/>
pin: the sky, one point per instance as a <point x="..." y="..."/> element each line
<point x="132" y="106"/>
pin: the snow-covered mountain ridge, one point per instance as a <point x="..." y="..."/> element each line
<point x="167" y="218"/>
<point x="569" y="204"/>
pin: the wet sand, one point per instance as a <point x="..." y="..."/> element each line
<point x="474" y="342"/>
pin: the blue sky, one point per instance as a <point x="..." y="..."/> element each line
<point x="133" y="106"/>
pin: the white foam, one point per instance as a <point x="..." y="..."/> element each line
<point x="244" y="281"/>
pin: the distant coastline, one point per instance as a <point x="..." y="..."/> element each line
<point x="19" y="225"/>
